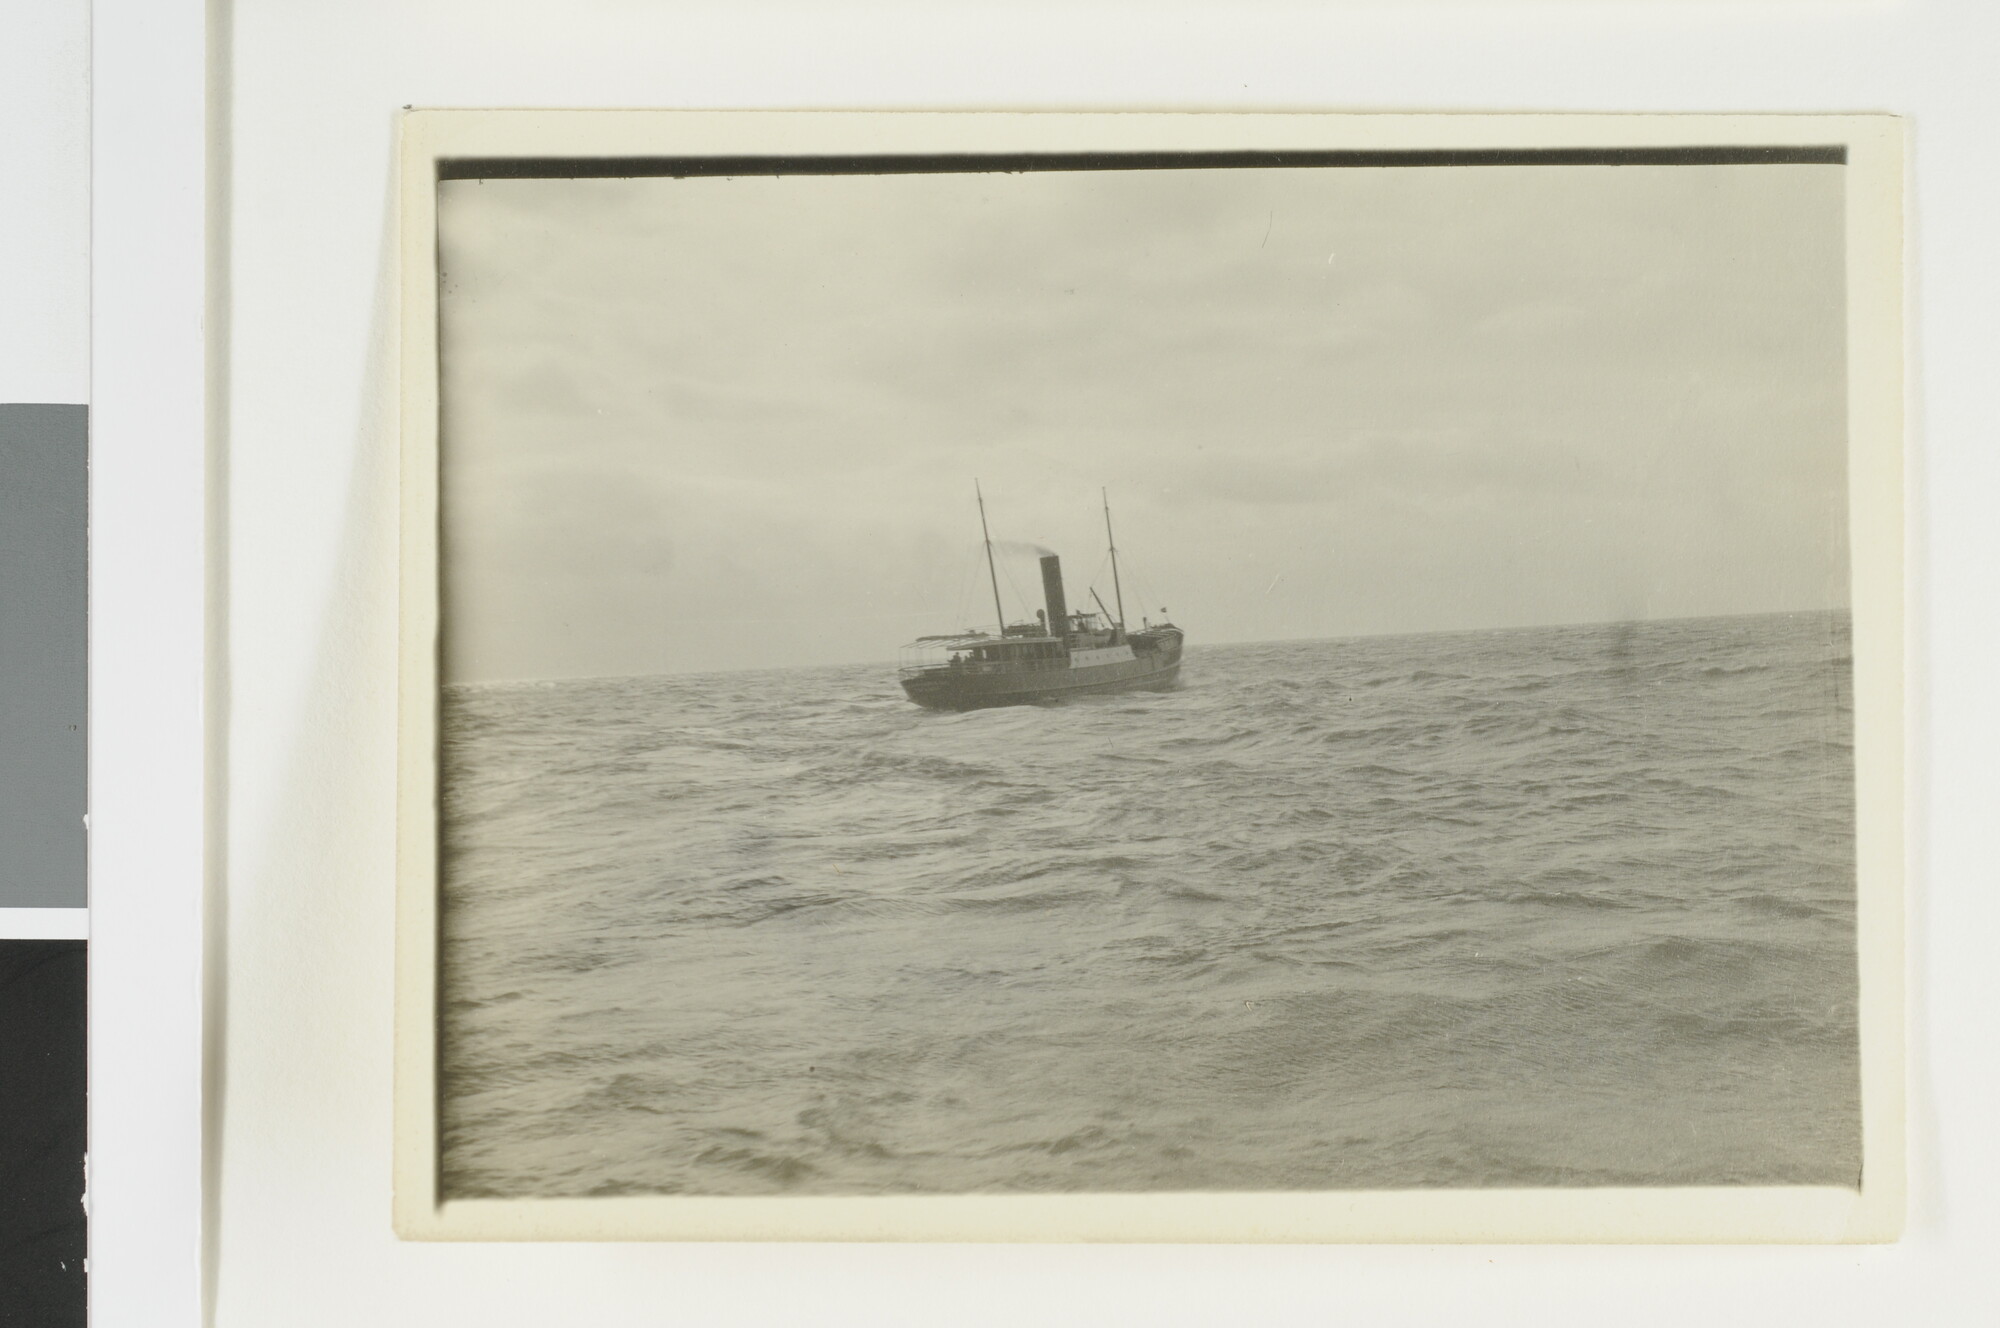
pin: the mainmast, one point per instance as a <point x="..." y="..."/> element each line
<point x="1117" y="593"/>
<point x="998" y="612"/>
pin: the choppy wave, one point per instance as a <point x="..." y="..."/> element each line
<point x="1562" y="907"/>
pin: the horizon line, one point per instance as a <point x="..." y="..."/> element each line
<point x="1205" y="645"/>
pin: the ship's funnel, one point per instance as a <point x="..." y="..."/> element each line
<point x="1053" y="592"/>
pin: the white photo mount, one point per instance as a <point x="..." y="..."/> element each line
<point x="1871" y="149"/>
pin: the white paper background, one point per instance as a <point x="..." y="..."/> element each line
<point x="45" y="206"/>
<point x="310" y="534"/>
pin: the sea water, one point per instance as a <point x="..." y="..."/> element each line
<point x="1562" y="906"/>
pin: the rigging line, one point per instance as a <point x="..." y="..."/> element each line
<point x="1145" y="594"/>
<point x="1015" y="588"/>
<point x="1095" y="573"/>
<point x="968" y="586"/>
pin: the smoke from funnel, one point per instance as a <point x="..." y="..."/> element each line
<point x="1022" y="546"/>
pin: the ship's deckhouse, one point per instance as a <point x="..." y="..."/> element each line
<point x="1083" y="659"/>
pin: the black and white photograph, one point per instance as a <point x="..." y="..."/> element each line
<point x="1153" y="673"/>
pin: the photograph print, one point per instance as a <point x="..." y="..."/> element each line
<point x="1179" y="672"/>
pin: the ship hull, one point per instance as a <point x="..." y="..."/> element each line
<point x="941" y="690"/>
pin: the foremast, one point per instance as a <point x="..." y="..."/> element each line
<point x="999" y="614"/>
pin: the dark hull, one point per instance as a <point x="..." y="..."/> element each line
<point x="940" y="690"/>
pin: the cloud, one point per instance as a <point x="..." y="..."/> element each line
<point x="765" y="399"/>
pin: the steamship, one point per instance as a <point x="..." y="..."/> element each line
<point x="1059" y="655"/>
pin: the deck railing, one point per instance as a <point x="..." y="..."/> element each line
<point x="986" y="666"/>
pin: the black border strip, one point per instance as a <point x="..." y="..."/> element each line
<point x="44" y="1129"/>
<point x="579" y="168"/>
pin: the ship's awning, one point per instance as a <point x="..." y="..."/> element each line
<point x="969" y="640"/>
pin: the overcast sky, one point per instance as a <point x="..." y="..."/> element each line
<point x="734" y="423"/>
